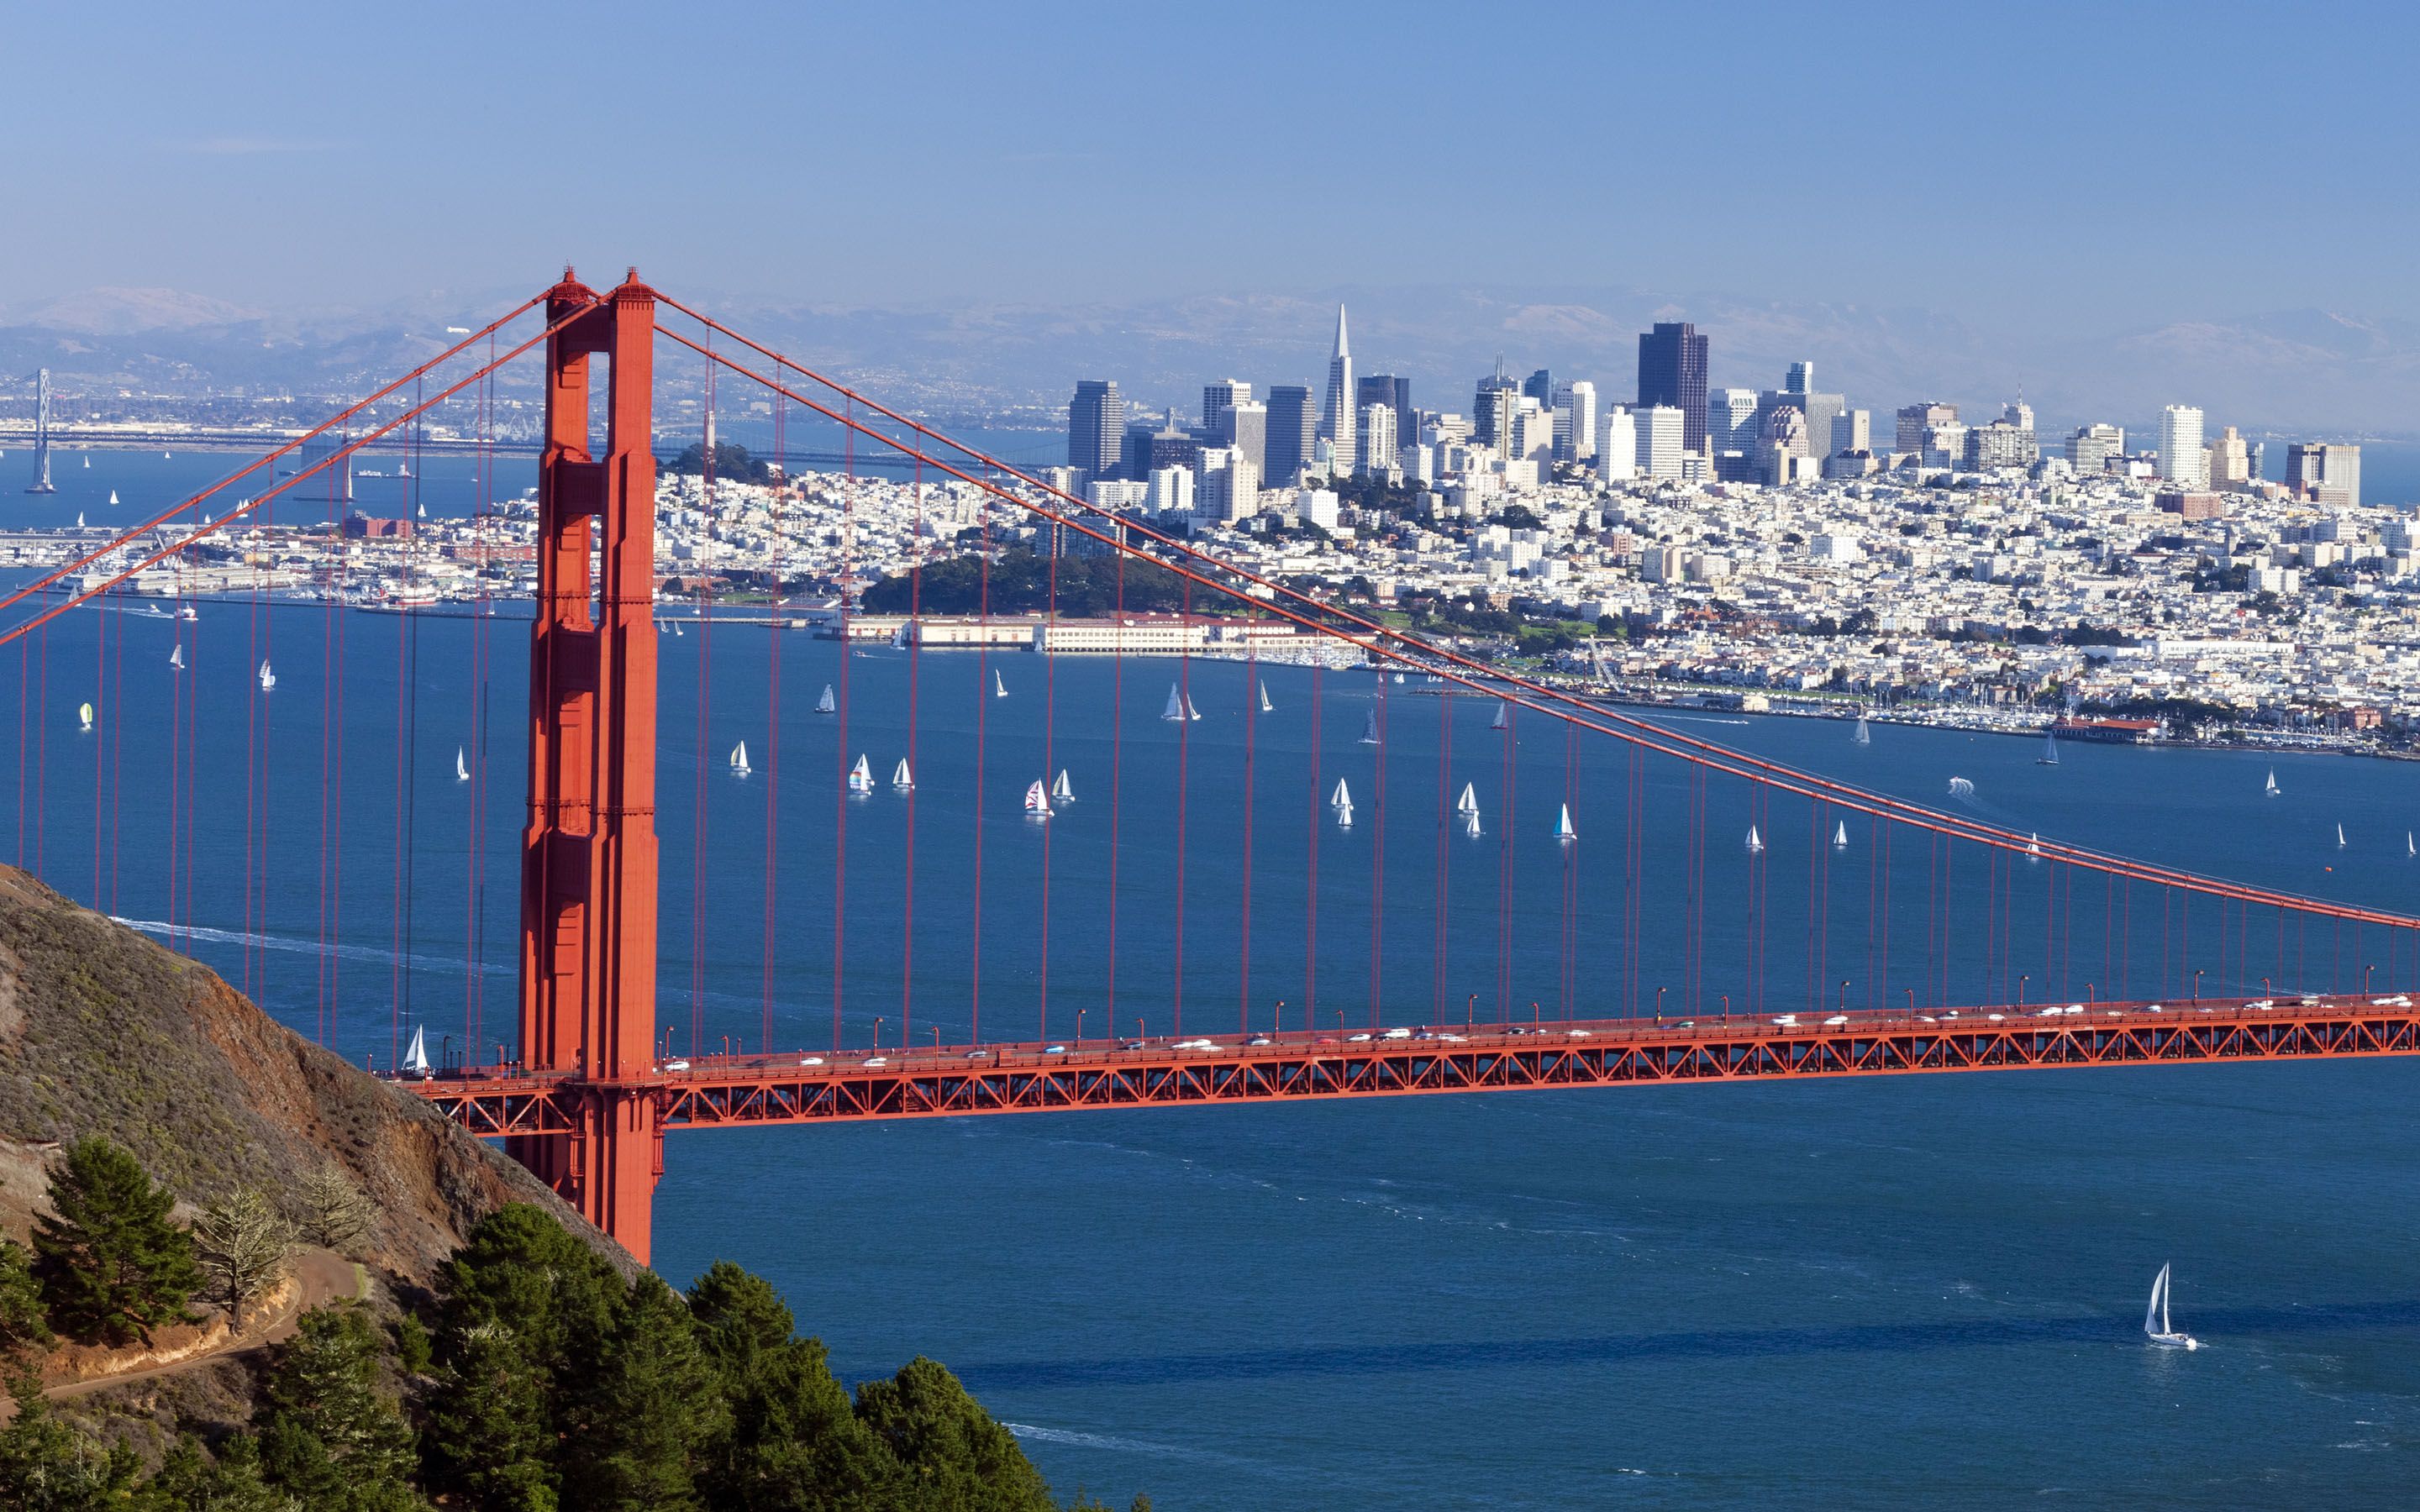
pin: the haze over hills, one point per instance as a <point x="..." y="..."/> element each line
<point x="2308" y="370"/>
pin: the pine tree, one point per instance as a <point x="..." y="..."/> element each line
<point x="46" y="1466"/>
<point x="335" y="1212"/>
<point x="792" y="1443"/>
<point x="640" y="1421"/>
<point x="192" y="1481"/>
<point x="110" y="1262"/>
<point x="329" y="1434"/>
<point x="952" y="1451"/>
<point x="243" y="1243"/>
<point x="21" y="1321"/>
<point x="487" y="1437"/>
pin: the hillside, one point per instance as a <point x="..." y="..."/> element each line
<point x="105" y="1032"/>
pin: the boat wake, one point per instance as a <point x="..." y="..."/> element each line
<point x="203" y="934"/>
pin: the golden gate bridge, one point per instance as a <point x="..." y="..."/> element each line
<point x="589" y="1085"/>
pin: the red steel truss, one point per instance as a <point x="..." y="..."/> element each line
<point x="960" y="1081"/>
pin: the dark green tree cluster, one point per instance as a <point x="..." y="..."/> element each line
<point x="1019" y="582"/>
<point x="732" y="463"/>
<point x="110" y="1263"/>
<point x="550" y="1384"/>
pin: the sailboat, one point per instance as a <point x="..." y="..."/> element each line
<point x="739" y="766"/>
<point x="2050" y="749"/>
<point x="676" y="629"/>
<point x="177" y="657"/>
<point x="1342" y="798"/>
<point x="1037" y="802"/>
<point x="415" y="1057"/>
<point x="88" y="464"/>
<point x="827" y="704"/>
<point x="2271" y="788"/>
<point x="998" y="689"/>
<point x="461" y="766"/>
<point x="2340" y="837"/>
<point x="1503" y="717"/>
<point x="1399" y="677"/>
<point x="2033" y="845"/>
<point x="2155" y="1317"/>
<point x="2410" y="849"/>
<point x="1864" y="736"/>
<point x="860" y="776"/>
<point x="1266" y="707"/>
<point x="1062" y="791"/>
<point x="1470" y="824"/>
<point x="1344" y="816"/>
<point x="188" y="613"/>
<point x="1369" y="729"/>
<point x="1174" y="708"/>
<point x="1468" y="802"/>
<point x="901" y="779"/>
<point x="1755" y="842"/>
<point x="268" y="678"/>
<point x="83" y="715"/>
<point x="1190" y="712"/>
<point x="1840" y="835"/>
<point x="899" y="637"/>
<point x="79" y="519"/>
<point x="1563" y="831"/>
<point x="113" y="496"/>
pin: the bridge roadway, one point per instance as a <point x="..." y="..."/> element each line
<point x="954" y="1081"/>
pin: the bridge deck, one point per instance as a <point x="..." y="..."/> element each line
<point x="952" y="1081"/>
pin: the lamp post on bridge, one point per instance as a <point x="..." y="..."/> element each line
<point x="1276" y="1019"/>
<point x="1659" y="1007"/>
<point x="1470" y="1012"/>
<point x="2023" y="978"/>
<point x="2197" y="995"/>
<point x="1844" y="997"/>
<point x="2365" y="978"/>
<point x="878" y="1032"/>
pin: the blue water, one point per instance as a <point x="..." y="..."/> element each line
<point x="1828" y="1294"/>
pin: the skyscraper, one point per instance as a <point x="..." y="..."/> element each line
<point x="42" y="483"/>
<point x="1853" y="431"/>
<point x="1393" y="391"/>
<point x="1491" y="412"/>
<point x="2090" y="448"/>
<point x="1801" y="378"/>
<point x="1218" y="396"/>
<point x="2180" y="453"/>
<point x="1663" y="436"/>
<point x="1672" y="372"/>
<point x="1097" y="426"/>
<point x="1576" y="422"/>
<point x="1243" y="427"/>
<point x="1617" y="446"/>
<point x="1731" y="420"/>
<point x="2328" y="474"/>
<point x="1337" y="417"/>
<point x="1915" y="418"/>
<point x="1540" y="387"/>
<point x="1291" y="426"/>
<point x="2230" y="460"/>
<point x="1377" y="452"/>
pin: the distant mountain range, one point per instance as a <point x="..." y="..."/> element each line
<point x="2312" y="372"/>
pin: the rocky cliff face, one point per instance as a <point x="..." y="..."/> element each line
<point x="103" y="1032"/>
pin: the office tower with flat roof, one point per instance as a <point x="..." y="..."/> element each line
<point x="1576" y="422"/>
<point x="2230" y="460"/>
<point x="1663" y="437"/>
<point x="1540" y="386"/>
<point x="1491" y="412"/>
<point x="1377" y="435"/>
<point x="1800" y="379"/>
<point x="2181" y="452"/>
<point x="1731" y="420"/>
<point x="1096" y="427"/>
<point x="1852" y="430"/>
<point x="1216" y="398"/>
<point x="1335" y="418"/>
<point x="1672" y="373"/>
<point x="1393" y="391"/>
<point x="2090" y="448"/>
<point x="2329" y="474"/>
<point x="1617" y="445"/>
<point x="1292" y="427"/>
<point x="1915" y="418"/>
<point x="1243" y="427"/>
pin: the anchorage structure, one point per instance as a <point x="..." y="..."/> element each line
<point x="42" y="483"/>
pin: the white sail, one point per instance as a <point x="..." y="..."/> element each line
<point x="739" y="766"/>
<point x="1344" y="816"/>
<point x="1369" y="729"/>
<point x="2156" y="1323"/>
<point x="2050" y="749"/>
<point x="1503" y="715"/>
<point x="899" y="637"/>
<point x="1342" y="798"/>
<point x="1063" y="789"/>
<point x="1266" y="707"/>
<point x="415" y="1058"/>
<point x="2410" y="849"/>
<point x="1190" y="712"/>
<point x="113" y="496"/>
<point x="676" y="629"/>
<point x="1564" y="830"/>
<point x="2340" y="837"/>
<point x="461" y="765"/>
<point x="999" y="688"/>
<point x="2033" y="842"/>
<point x="1037" y="802"/>
<point x="1755" y="842"/>
<point x="1399" y="677"/>
<point x="206" y="520"/>
<point x="1468" y="802"/>
<point x="1841" y="836"/>
<point x="860" y="776"/>
<point x="2271" y="788"/>
<point x="268" y="678"/>
<point x="1864" y="736"/>
<point x="1470" y="824"/>
<point x="901" y="779"/>
<point x="827" y="705"/>
<point x="1174" y="707"/>
<point x="177" y="657"/>
<point x="84" y="715"/>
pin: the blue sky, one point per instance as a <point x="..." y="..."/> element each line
<point x="2130" y="163"/>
